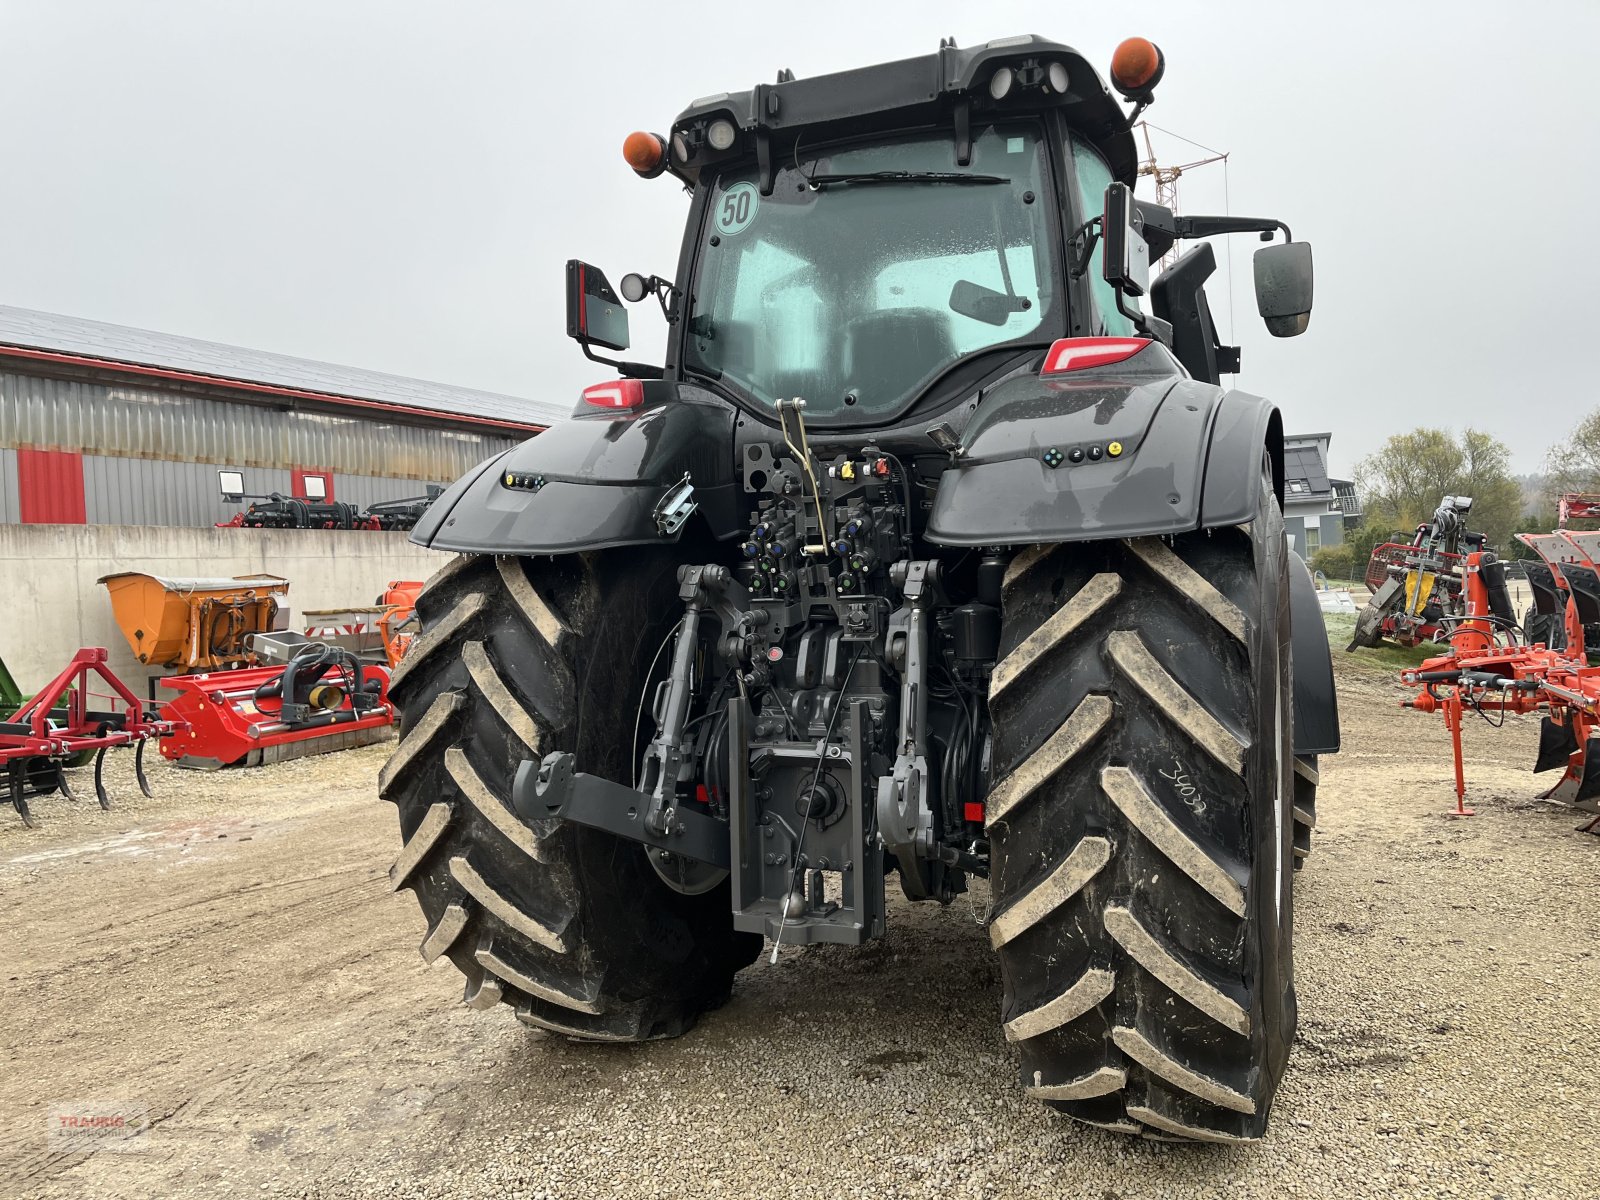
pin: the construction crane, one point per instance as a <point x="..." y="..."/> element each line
<point x="1166" y="178"/>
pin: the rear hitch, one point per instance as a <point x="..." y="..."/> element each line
<point x="552" y="789"/>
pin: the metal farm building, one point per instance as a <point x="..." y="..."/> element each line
<point x="106" y="425"/>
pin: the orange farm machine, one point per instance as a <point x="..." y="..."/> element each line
<point x="1491" y="669"/>
<point x="398" y="624"/>
<point x="1565" y="572"/>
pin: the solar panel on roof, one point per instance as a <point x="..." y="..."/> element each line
<point x="121" y="343"/>
<point x="1305" y="464"/>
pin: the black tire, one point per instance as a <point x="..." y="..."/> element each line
<point x="1305" y="806"/>
<point x="569" y="925"/>
<point x="1368" y="633"/>
<point x="1547" y="628"/>
<point x="1141" y="826"/>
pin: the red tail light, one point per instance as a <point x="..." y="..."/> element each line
<point x="1079" y="354"/>
<point x="618" y="393"/>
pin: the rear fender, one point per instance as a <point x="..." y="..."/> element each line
<point x="1129" y="450"/>
<point x="594" y="481"/>
<point x="1316" y="705"/>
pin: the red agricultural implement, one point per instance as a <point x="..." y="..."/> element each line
<point x="58" y="724"/>
<point x="1567" y="572"/>
<point x="277" y="511"/>
<point x="323" y="699"/>
<point x="1578" y="506"/>
<point x="1417" y="586"/>
<point x="1491" y="670"/>
<point x="264" y="693"/>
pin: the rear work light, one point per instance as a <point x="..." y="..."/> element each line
<point x="1079" y="354"/>
<point x="618" y="393"/>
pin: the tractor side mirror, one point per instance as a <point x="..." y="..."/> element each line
<point x="1283" y="287"/>
<point x="595" y="316"/>
<point x="1127" y="255"/>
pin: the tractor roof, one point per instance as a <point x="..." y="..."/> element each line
<point x="932" y="89"/>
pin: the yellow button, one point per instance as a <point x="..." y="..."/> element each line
<point x="510" y="479"/>
<point x="1114" y="449"/>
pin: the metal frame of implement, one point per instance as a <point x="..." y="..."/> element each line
<point x="57" y="724"/>
<point x="1490" y="669"/>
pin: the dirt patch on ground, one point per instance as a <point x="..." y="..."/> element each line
<point x="229" y="956"/>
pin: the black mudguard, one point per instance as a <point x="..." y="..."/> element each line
<point x="1125" y="451"/>
<point x="1316" y="705"/>
<point x="594" y="481"/>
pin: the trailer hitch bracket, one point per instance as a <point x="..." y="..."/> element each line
<point x="551" y="788"/>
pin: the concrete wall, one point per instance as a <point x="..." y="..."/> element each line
<point x="53" y="603"/>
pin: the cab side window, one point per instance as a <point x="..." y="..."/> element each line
<point x="1093" y="178"/>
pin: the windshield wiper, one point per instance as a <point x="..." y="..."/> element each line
<point x="820" y="181"/>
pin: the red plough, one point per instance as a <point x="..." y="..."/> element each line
<point x="58" y="724"/>
<point x="1491" y="670"/>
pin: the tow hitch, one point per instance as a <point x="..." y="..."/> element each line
<point x="549" y="788"/>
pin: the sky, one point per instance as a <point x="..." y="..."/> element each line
<point x="396" y="185"/>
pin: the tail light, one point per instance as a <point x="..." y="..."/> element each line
<point x="1079" y="354"/>
<point x="618" y="393"/>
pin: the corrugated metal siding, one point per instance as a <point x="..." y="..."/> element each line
<point x="130" y="422"/>
<point x="50" y="487"/>
<point x="144" y="491"/>
<point x="10" y="501"/>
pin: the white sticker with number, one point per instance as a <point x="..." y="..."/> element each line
<point x="737" y="208"/>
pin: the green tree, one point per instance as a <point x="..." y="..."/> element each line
<point x="1340" y="563"/>
<point x="1538" y="523"/>
<point x="1574" y="465"/>
<point x="1404" y="481"/>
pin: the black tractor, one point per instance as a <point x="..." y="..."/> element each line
<point x="935" y="550"/>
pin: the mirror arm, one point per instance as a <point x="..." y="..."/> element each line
<point x="667" y="294"/>
<point x="630" y="370"/>
<point x="1142" y="322"/>
<point x="1082" y="245"/>
<point x="1203" y="227"/>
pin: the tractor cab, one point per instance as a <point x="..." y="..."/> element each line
<point x="885" y="239"/>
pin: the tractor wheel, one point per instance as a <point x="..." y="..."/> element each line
<point x="1140" y="828"/>
<point x="569" y="925"/>
<point x="1305" y="806"/>
<point x="1546" y="628"/>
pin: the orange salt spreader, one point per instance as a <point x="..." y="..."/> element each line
<point x="195" y="624"/>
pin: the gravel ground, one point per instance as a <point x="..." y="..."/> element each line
<point x="228" y="955"/>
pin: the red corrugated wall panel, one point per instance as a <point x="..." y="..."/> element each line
<point x="50" y="487"/>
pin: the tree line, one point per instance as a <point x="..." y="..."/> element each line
<point x="1402" y="483"/>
